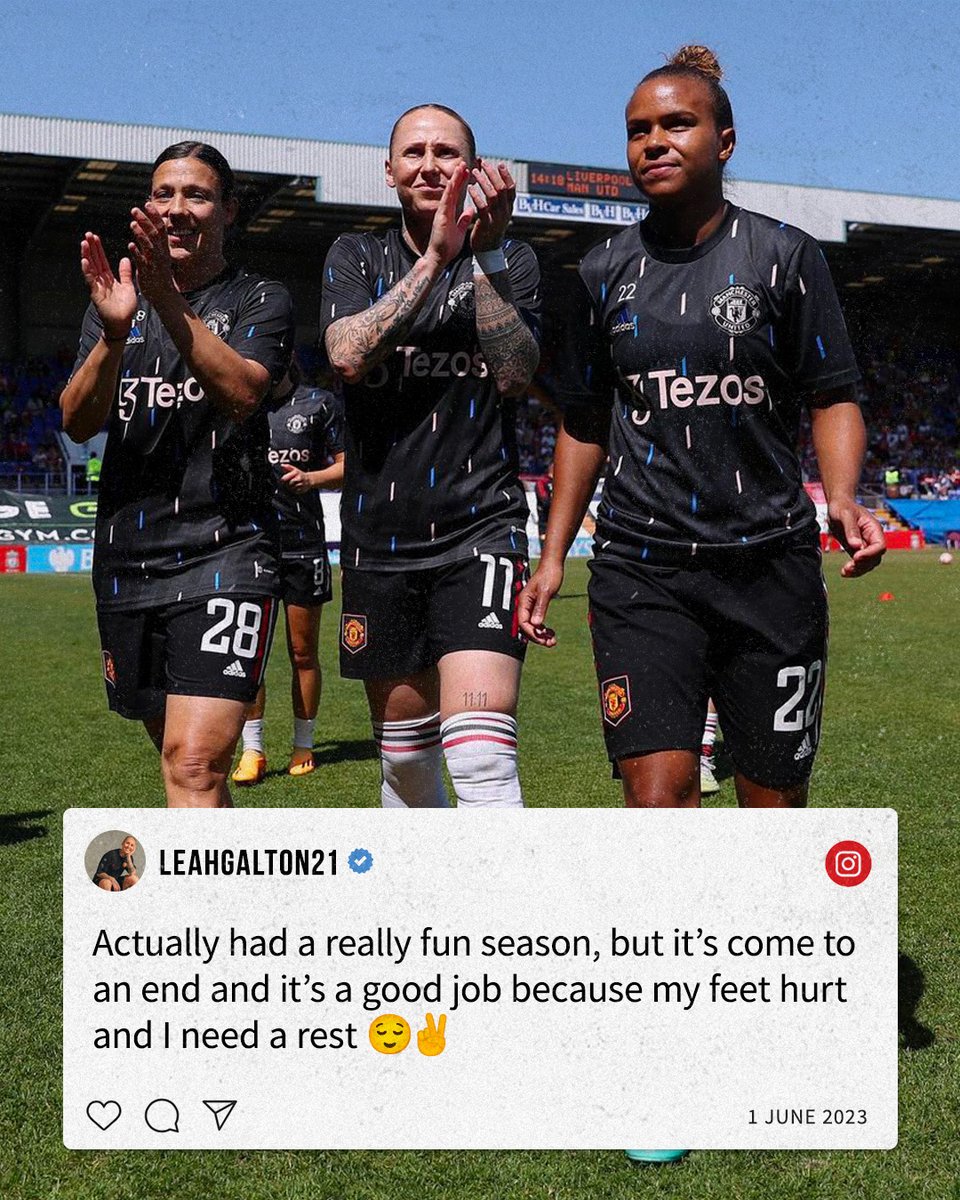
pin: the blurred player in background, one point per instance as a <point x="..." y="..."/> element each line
<point x="306" y="456"/>
<point x="433" y="328"/>
<point x="179" y="360"/>
<point x="709" y="786"/>
<point x="543" y="490"/>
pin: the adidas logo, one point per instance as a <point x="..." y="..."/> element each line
<point x="805" y="749"/>
<point x="235" y="671"/>
<point x="491" y="621"/>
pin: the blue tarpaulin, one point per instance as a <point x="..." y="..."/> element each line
<point x="936" y="518"/>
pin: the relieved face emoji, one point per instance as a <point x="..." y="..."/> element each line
<point x="389" y="1034"/>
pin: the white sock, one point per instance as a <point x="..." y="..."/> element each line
<point x="303" y="732"/>
<point x="709" y="733"/>
<point x="481" y="753"/>
<point x="253" y="735"/>
<point x="410" y="763"/>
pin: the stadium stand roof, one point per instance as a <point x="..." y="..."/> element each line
<point x="60" y="176"/>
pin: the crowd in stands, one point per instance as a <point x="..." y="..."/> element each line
<point x="911" y="400"/>
<point x="30" y="418"/>
<point x="910" y="397"/>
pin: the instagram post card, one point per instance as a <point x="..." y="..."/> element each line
<point x="341" y="979"/>
<point x="479" y="550"/>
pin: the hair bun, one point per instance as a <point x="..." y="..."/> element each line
<point x="699" y="58"/>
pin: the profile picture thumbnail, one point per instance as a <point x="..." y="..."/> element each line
<point x="115" y="861"/>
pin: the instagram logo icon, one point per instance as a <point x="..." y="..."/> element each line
<point x="848" y="863"/>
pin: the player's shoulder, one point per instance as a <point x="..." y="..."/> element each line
<point x="312" y="399"/>
<point x="616" y="249"/>
<point x="242" y="284"/>
<point x="361" y="246"/>
<point x="516" y="248"/>
<point x="770" y="232"/>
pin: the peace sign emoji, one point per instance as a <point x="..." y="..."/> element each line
<point x="431" y="1040"/>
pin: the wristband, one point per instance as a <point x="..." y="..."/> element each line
<point x="489" y="262"/>
<point x="113" y="341"/>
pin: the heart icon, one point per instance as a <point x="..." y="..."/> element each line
<point x="103" y="1115"/>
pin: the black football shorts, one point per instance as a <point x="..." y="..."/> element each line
<point x="750" y="632"/>
<point x="216" y="646"/>
<point x="305" y="579"/>
<point x="399" y="623"/>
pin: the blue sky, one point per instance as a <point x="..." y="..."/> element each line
<point x="859" y="95"/>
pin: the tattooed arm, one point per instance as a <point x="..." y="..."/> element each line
<point x="509" y="347"/>
<point x="357" y="343"/>
<point x="360" y="342"/>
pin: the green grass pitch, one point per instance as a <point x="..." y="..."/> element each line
<point x="891" y="738"/>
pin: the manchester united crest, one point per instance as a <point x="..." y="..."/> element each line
<point x="353" y="632"/>
<point x="109" y="670"/>
<point x="461" y="303"/>
<point x="615" y="699"/>
<point x="217" y="322"/>
<point x="736" y="309"/>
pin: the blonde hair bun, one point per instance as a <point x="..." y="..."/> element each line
<point x="698" y="58"/>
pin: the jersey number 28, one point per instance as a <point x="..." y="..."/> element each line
<point x="245" y="618"/>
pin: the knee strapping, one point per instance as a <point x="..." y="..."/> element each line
<point x="481" y="753"/>
<point x="410" y="763"/>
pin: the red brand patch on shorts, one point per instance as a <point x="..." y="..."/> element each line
<point x="353" y="632"/>
<point x="615" y="698"/>
<point x="109" y="670"/>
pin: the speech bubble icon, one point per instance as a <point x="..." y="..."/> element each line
<point x="162" y="1116"/>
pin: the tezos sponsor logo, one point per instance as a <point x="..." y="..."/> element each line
<point x="288" y="456"/>
<point x="431" y="364"/>
<point x="736" y="309"/>
<point x="156" y="392"/>
<point x="701" y="391"/>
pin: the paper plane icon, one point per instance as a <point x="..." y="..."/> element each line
<point x="221" y="1110"/>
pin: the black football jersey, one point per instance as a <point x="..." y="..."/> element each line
<point x="305" y="432"/>
<point x="184" y="508"/>
<point x="431" y="453"/>
<point x="707" y="355"/>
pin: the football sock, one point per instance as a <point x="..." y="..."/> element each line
<point x="410" y="763"/>
<point x="481" y="753"/>
<point x="253" y="735"/>
<point x="303" y="732"/>
<point x="709" y="734"/>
